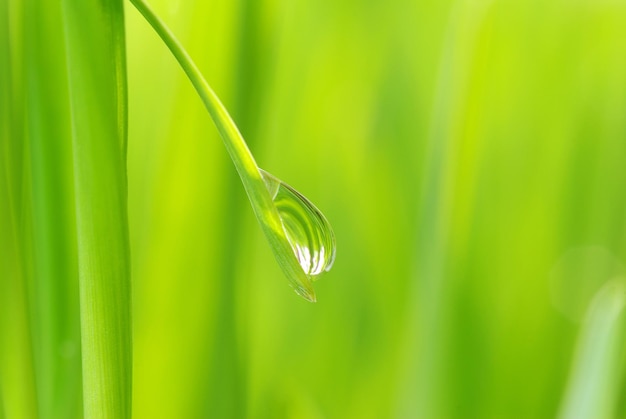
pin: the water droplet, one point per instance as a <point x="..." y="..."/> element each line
<point x="309" y="233"/>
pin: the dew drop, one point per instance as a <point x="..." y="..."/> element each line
<point x="309" y="233"/>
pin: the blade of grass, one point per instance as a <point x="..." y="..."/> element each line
<point x="17" y="374"/>
<point x="16" y="363"/>
<point x="2" y="416"/>
<point x="244" y="162"/>
<point x="97" y="86"/>
<point x="228" y="363"/>
<point x="56" y="320"/>
<point x="594" y="384"/>
<point x="423" y="387"/>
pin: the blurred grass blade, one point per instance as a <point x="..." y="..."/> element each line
<point x="16" y="359"/>
<point x="251" y="177"/>
<point x="2" y="415"/>
<point x="594" y="384"/>
<point x="97" y="85"/>
<point x="17" y="375"/>
<point x="54" y="296"/>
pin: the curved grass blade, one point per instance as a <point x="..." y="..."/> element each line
<point x="97" y="86"/>
<point x="267" y="213"/>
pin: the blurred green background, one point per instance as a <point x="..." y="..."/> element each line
<point x="470" y="156"/>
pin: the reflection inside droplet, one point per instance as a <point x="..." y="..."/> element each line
<point x="307" y="230"/>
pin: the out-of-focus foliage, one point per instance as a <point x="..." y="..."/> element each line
<point x="469" y="155"/>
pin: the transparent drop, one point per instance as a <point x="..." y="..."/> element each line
<point x="309" y="233"/>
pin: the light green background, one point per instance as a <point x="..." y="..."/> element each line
<point x="460" y="150"/>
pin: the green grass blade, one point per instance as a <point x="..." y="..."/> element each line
<point x="16" y="359"/>
<point x="97" y="85"/>
<point x="56" y="320"/>
<point x="17" y="374"/>
<point x="594" y="384"/>
<point x="2" y="415"/>
<point x="244" y="162"/>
